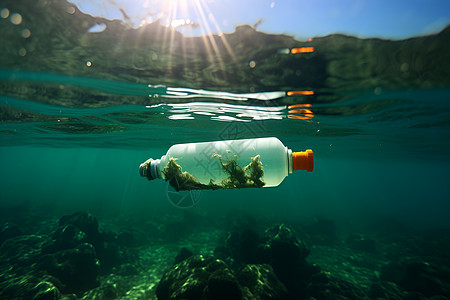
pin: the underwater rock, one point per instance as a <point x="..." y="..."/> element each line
<point x="285" y="246"/>
<point x="286" y="249"/>
<point x="222" y="285"/>
<point x="182" y="255"/>
<point x="82" y="227"/>
<point x="246" y="247"/>
<point x="66" y="237"/>
<point x="108" y="290"/>
<point x="74" y="230"/>
<point x="64" y="259"/>
<point x="261" y="282"/>
<point x="278" y="247"/>
<point x="9" y="230"/>
<point x="110" y="255"/>
<point x="77" y="268"/>
<point x="20" y="274"/>
<point x="323" y="285"/>
<point x="22" y="252"/>
<point x="223" y="253"/>
<point x="414" y="274"/>
<point x="85" y="222"/>
<point x="387" y="290"/>
<point x="362" y="243"/>
<point x="47" y="291"/>
<point x="287" y="257"/>
<point x="209" y="278"/>
<point x="17" y="287"/>
<point x="188" y="279"/>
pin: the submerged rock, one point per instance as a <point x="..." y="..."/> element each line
<point x="85" y="222"/>
<point x="47" y="291"/>
<point x="222" y="285"/>
<point x="387" y="290"/>
<point x="323" y="285"/>
<point x="260" y="282"/>
<point x="209" y="278"/>
<point x="278" y="247"/>
<point x="77" y="268"/>
<point x="244" y="247"/>
<point x="414" y="274"/>
<point x="19" y="274"/>
<point x="58" y="265"/>
<point x="73" y="230"/>
<point x="80" y="228"/>
<point x="284" y="245"/>
<point x="287" y="257"/>
<point x="9" y="230"/>
<point x="188" y="279"/>
<point x="183" y="254"/>
<point x="22" y="250"/>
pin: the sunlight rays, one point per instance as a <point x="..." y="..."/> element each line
<point x="183" y="17"/>
<point x="208" y="38"/>
<point x="219" y="30"/>
<point x="173" y="16"/>
<point x="178" y="14"/>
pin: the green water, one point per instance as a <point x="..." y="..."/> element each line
<point x="74" y="132"/>
<point x="377" y="155"/>
<point x="107" y="181"/>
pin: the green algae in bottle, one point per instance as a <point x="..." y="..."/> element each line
<point x="259" y="162"/>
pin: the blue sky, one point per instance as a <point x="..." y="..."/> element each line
<point x="302" y="18"/>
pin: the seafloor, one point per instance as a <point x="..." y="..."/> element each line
<point x="185" y="254"/>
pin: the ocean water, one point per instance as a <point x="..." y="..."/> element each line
<point x="389" y="162"/>
<point x="81" y="110"/>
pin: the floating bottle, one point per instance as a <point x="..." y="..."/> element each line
<point x="260" y="162"/>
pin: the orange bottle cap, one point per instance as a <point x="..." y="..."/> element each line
<point x="303" y="160"/>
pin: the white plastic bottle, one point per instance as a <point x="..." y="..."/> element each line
<point x="260" y="162"/>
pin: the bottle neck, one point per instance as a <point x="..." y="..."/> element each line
<point x="154" y="168"/>
<point x="150" y="169"/>
<point x="290" y="161"/>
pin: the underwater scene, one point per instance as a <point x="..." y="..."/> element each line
<point x="167" y="158"/>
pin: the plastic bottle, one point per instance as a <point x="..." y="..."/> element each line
<point x="260" y="162"/>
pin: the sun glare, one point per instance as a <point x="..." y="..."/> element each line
<point x="192" y="18"/>
<point x="183" y="15"/>
<point x="176" y="13"/>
